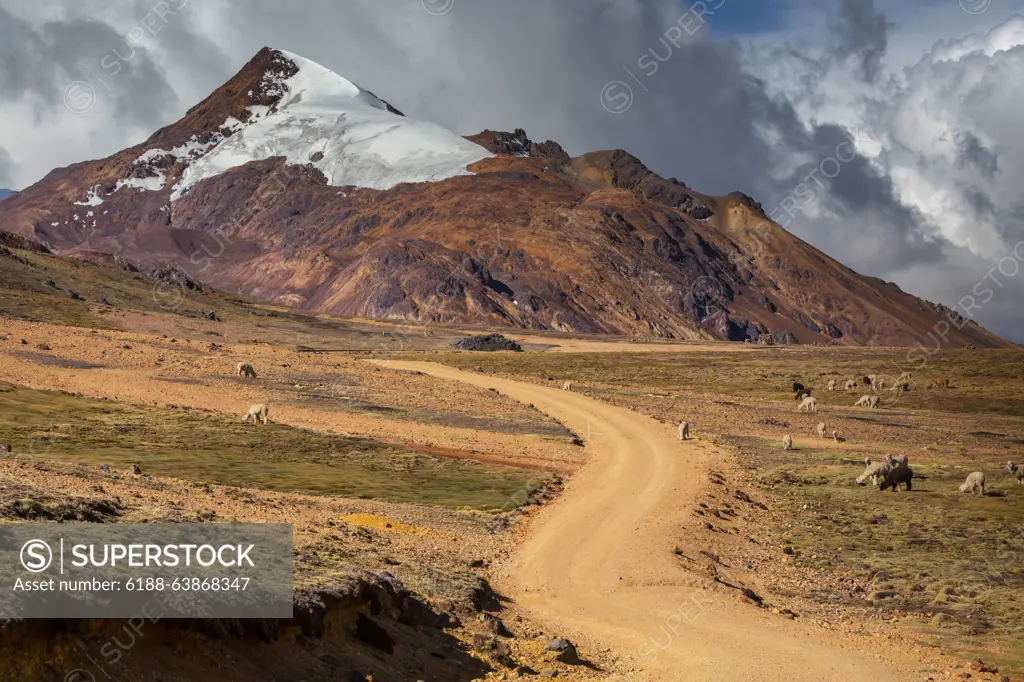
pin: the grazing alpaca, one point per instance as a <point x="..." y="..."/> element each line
<point x="244" y="369"/>
<point x="897" y="475"/>
<point x="257" y="413"/>
<point x="875" y="471"/>
<point x="809" y="404"/>
<point x="975" y="483"/>
<point x="684" y="430"/>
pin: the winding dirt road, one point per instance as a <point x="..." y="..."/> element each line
<point x="598" y="563"/>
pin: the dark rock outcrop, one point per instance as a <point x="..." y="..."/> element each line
<point x="487" y="342"/>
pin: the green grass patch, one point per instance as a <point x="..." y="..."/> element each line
<point x="58" y="426"/>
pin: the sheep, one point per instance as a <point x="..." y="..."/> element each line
<point x="939" y="382"/>
<point x="876" y="471"/>
<point x="258" y="413"/>
<point x="975" y="483"/>
<point x="244" y="369"/>
<point x="684" y="430"/>
<point x="821" y="429"/>
<point x="831" y="384"/>
<point x="849" y="385"/>
<point x="1017" y="471"/>
<point x="567" y="386"/>
<point x="837" y="438"/>
<point x="787" y="442"/>
<point x="808" y="404"/>
<point x="897" y="475"/>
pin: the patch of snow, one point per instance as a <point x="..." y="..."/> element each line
<point x="54" y="224"/>
<point x="153" y="184"/>
<point x="88" y="214"/>
<point x="362" y="143"/>
<point x="74" y="217"/>
<point x="92" y="198"/>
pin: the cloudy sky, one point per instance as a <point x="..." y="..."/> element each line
<point x="759" y="96"/>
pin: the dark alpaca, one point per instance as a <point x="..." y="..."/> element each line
<point x="897" y="475"/>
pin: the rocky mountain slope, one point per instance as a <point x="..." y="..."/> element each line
<point x="292" y="184"/>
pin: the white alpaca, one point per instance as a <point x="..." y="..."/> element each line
<point x="684" y="430"/>
<point x="821" y="429"/>
<point x="831" y="384"/>
<point x="257" y="413"/>
<point x="975" y="483"/>
<point x="567" y="386"/>
<point x="787" y="442"/>
<point x="863" y="401"/>
<point x="244" y="369"/>
<point x="808" y="404"/>
<point x="849" y="385"/>
<point x="875" y="471"/>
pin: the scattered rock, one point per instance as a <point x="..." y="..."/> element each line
<point x="565" y="650"/>
<point x="136" y="470"/>
<point x="74" y="296"/>
<point x="50" y="283"/>
<point x="5" y="447"/>
<point x="105" y="468"/>
<point x="43" y="346"/>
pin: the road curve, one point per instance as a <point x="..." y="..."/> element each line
<point x="598" y="563"/>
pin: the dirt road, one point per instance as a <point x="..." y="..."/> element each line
<point x="598" y="564"/>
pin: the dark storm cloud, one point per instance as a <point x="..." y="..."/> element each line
<point x="862" y="32"/>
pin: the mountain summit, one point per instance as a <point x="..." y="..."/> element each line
<point x="293" y="184"/>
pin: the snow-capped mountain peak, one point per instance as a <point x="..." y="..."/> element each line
<point x="319" y="118"/>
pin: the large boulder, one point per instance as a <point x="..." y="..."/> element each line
<point x="487" y="342"/>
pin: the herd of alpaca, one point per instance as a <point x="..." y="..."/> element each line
<point x="890" y="472"/>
